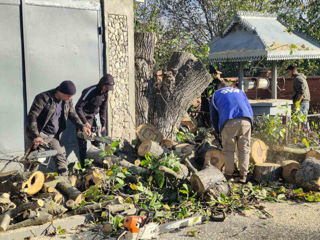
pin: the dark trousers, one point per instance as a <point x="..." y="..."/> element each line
<point x="82" y="143"/>
<point x="60" y="159"/>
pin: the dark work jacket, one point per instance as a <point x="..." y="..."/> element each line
<point x="300" y="87"/>
<point x="41" y="111"/>
<point x="92" y="102"/>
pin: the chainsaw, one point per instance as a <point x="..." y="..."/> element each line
<point x="94" y="138"/>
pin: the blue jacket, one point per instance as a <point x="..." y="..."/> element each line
<point x="229" y="103"/>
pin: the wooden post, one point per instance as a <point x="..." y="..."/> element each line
<point x="274" y="94"/>
<point x="241" y="75"/>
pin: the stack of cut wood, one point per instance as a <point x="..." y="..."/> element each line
<point x="33" y="198"/>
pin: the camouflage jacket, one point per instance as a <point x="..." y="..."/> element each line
<point x="42" y="110"/>
<point x="300" y="87"/>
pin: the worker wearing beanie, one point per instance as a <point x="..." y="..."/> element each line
<point x="94" y="100"/>
<point x="47" y="119"/>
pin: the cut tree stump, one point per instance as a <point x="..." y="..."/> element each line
<point x="259" y="151"/>
<point x="209" y="179"/>
<point x="188" y="123"/>
<point x="26" y="182"/>
<point x="289" y="170"/>
<point x="215" y="158"/>
<point x="72" y="192"/>
<point x="148" y="146"/>
<point x="308" y="176"/>
<point x="149" y="132"/>
<point x="267" y="172"/>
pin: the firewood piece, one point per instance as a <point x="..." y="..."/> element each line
<point x="70" y="204"/>
<point x="5" y="218"/>
<point x="187" y="161"/>
<point x="72" y="192"/>
<point x="167" y="143"/>
<point x="39" y="220"/>
<point x="187" y="122"/>
<point x="27" y="182"/>
<point x="289" y="170"/>
<point x="149" y="132"/>
<point x="308" y="176"/>
<point x="94" y="177"/>
<point x="170" y="172"/>
<point x="313" y="153"/>
<point x="124" y="163"/>
<point x="259" y="151"/>
<point x="5" y="203"/>
<point x="115" y="205"/>
<point x="184" y="171"/>
<point x="299" y="151"/>
<point x="209" y="178"/>
<point x="55" y="196"/>
<point x="184" y="148"/>
<point x="30" y="214"/>
<point x="214" y="157"/>
<point x="267" y="172"/>
<point x="115" y="208"/>
<point x="152" y="147"/>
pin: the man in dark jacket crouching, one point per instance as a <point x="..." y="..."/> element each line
<point x="47" y="120"/>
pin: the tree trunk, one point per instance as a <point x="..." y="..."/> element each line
<point x="144" y="44"/>
<point x="26" y="182"/>
<point x="289" y="170"/>
<point x="259" y="151"/>
<point x="210" y="179"/>
<point x="165" y="103"/>
<point x="149" y="146"/>
<point x="267" y="172"/>
<point x="308" y="176"/>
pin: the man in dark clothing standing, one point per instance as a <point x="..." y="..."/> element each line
<point x="301" y="91"/>
<point x="93" y="100"/>
<point x="47" y="120"/>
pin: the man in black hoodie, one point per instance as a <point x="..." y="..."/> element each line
<point x="93" y="100"/>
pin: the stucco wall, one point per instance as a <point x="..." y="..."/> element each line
<point x="119" y="34"/>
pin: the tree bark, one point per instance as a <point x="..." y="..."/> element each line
<point x="165" y="103"/>
<point x="208" y="179"/>
<point x="5" y="203"/>
<point x="267" y="172"/>
<point x="308" y="176"/>
<point x="39" y="220"/>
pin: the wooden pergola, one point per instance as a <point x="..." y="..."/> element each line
<point x="256" y="36"/>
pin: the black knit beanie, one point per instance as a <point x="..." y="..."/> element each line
<point x="106" y="80"/>
<point x="67" y="87"/>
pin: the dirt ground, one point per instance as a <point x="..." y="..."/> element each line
<point x="296" y="221"/>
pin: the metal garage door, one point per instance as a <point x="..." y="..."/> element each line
<point x="61" y="42"/>
<point x="11" y="81"/>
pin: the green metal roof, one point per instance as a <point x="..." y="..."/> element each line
<point x="255" y="36"/>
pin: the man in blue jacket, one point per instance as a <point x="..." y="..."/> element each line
<point x="232" y="117"/>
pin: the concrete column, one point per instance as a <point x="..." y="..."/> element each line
<point x="241" y="75"/>
<point x="274" y="85"/>
<point x="119" y="34"/>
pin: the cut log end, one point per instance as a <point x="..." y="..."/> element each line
<point x="187" y="122"/>
<point x="259" y="151"/>
<point x="34" y="183"/>
<point x="289" y="170"/>
<point x="149" y="132"/>
<point x="149" y="146"/>
<point x="215" y="158"/>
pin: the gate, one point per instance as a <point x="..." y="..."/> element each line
<point x="44" y="42"/>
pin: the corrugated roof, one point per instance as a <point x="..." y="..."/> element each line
<point x="254" y="36"/>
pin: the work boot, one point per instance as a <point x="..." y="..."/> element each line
<point x="230" y="178"/>
<point x="243" y="179"/>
